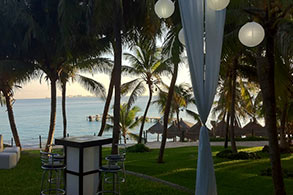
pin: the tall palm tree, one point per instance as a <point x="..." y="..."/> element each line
<point x="273" y="15"/>
<point x="15" y="68"/>
<point x="12" y="74"/>
<point x="69" y="71"/>
<point x="53" y="35"/>
<point x="123" y="16"/>
<point x="147" y="64"/>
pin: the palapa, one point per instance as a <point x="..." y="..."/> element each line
<point x="173" y="130"/>
<point x="220" y="130"/>
<point x="254" y="129"/>
<point x="156" y="128"/>
<point x="194" y="131"/>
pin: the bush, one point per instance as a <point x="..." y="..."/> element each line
<point x="266" y="149"/>
<point x="250" y="138"/>
<point x="238" y="156"/>
<point x="224" y="154"/>
<point x="138" y="148"/>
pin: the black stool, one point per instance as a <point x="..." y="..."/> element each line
<point x="53" y="173"/>
<point x="110" y="174"/>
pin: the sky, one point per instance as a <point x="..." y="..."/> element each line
<point x="36" y="89"/>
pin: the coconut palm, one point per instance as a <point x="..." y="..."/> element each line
<point x="128" y="115"/>
<point x="173" y="49"/>
<point x="54" y="36"/>
<point x="148" y="66"/>
<point x="123" y="16"/>
<point x="182" y="97"/>
<point x="128" y="121"/>
<point x="15" y="69"/>
<point x="12" y="74"/>
<point x="273" y="16"/>
<point x="70" y="71"/>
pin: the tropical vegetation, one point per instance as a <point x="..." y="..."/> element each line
<point x="61" y="38"/>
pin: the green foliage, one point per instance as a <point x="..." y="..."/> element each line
<point x="238" y="156"/>
<point x="239" y="177"/>
<point x="138" y="148"/>
<point x="250" y="138"/>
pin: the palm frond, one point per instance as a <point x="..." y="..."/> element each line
<point x="92" y="86"/>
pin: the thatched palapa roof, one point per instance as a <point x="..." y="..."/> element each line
<point x="173" y="130"/>
<point x="254" y="129"/>
<point x="156" y="128"/>
<point x="220" y="129"/>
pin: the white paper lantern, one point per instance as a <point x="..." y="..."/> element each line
<point x="251" y="34"/>
<point x="181" y="36"/>
<point x="218" y="4"/>
<point x="164" y="8"/>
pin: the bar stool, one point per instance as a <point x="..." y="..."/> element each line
<point x="118" y="159"/>
<point x="53" y="172"/>
<point x="109" y="174"/>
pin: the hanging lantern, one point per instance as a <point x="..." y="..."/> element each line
<point x="164" y="8"/>
<point x="181" y="36"/>
<point x="218" y="4"/>
<point x="251" y="34"/>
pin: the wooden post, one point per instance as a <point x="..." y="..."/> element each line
<point x="40" y="141"/>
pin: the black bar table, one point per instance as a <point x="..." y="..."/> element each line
<point x="83" y="158"/>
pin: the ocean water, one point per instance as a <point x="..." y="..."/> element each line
<point x="32" y="118"/>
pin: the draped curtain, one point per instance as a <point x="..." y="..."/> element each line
<point x="203" y="46"/>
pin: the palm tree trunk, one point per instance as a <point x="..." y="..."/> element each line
<point x="53" y="114"/>
<point x="117" y="72"/>
<point x="11" y="118"/>
<point x="64" y="109"/>
<point x="232" y="118"/>
<point x="107" y="104"/>
<point x="178" y="126"/>
<point x="167" y="111"/>
<point x="227" y="130"/>
<point x="265" y="70"/>
<point x="145" y="113"/>
<point x="283" y="142"/>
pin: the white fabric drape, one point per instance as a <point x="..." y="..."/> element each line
<point x="204" y="77"/>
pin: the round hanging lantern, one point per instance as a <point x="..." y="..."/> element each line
<point x="164" y="8"/>
<point x="251" y="34"/>
<point x="218" y="4"/>
<point x="181" y="36"/>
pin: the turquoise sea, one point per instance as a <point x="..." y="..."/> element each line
<point x="32" y="118"/>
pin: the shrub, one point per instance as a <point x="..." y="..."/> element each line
<point x="138" y="148"/>
<point x="266" y="149"/>
<point x="238" y="156"/>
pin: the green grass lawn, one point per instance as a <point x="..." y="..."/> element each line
<point x="233" y="177"/>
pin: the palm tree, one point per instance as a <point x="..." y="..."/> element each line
<point x="128" y="116"/>
<point x="172" y="49"/>
<point x="182" y="97"/>
<point x="118" y="20"/>
<point x="273" y="15"/>
<point x="15" y="69"/>
<point x="69" y="71"/>
<point x="148" y="66"/>
<point x="53" y="37"/>
<point x="13" y="73"/>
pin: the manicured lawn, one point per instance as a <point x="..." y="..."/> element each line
<point x="233" y="177"/>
